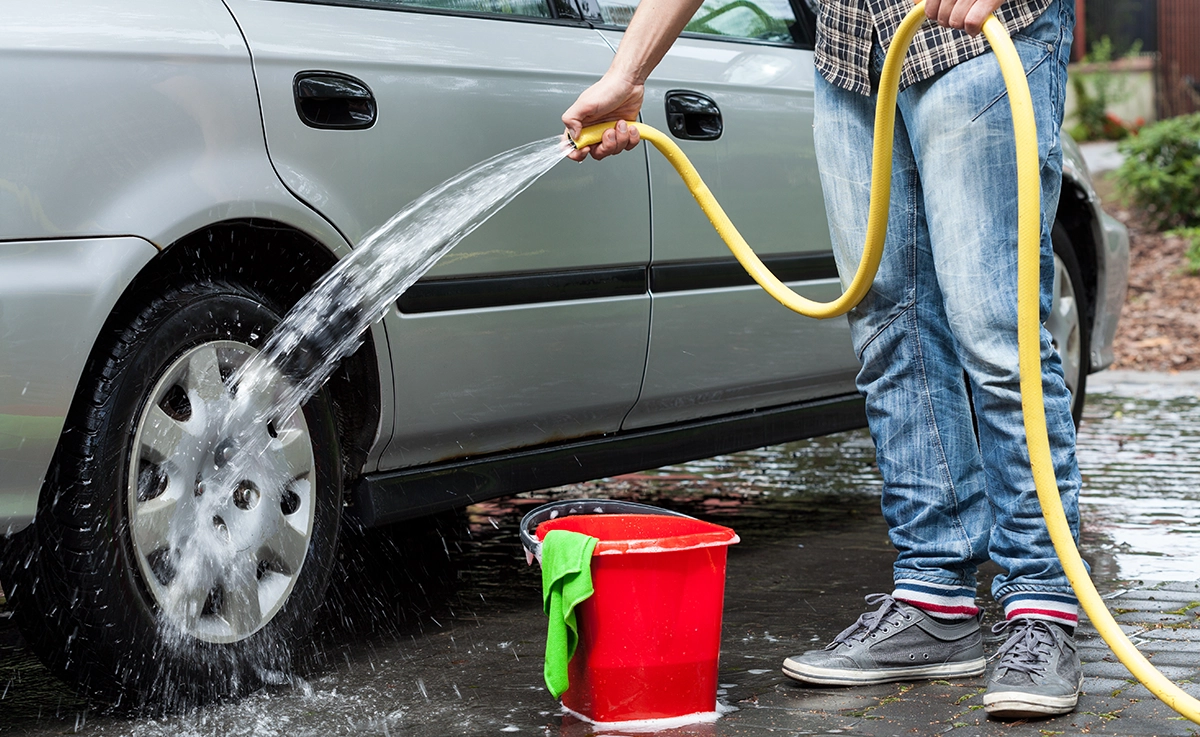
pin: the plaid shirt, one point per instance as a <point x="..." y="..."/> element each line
<point x="846" y="30"/>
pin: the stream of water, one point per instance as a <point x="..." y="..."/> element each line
<point x="328" y="323"/>
<point x="267" y="391"/>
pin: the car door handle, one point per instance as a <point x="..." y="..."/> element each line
<point x="693" y="116"/>
<point x="334" y="101"/>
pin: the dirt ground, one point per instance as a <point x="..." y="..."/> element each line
<point x="1160" y="326"/>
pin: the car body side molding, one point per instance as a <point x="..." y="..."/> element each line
<point x="381" y="499"/>
<point x="442" y="294"/>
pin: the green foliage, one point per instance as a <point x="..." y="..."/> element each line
<point x="1096" y="91"/>
<point x="1161" y="171"/>
<point x="1192" y="257"/>
<point x="738" y="19"/>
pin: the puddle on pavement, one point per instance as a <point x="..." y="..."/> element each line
<point x="1139" y="451"/>
<point x="434" y="627"/>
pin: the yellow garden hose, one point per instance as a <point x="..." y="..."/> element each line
<point x="1028" y="293"/>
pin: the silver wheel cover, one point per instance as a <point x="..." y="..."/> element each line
<point x="1064" y="325"/>
<point x="218" y="562"/>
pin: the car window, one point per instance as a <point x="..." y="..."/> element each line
<point x="526" y="8"/>
<point x="756" y="20"/>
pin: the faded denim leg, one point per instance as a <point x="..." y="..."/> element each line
<point x="944" y="304"/>
<point x="934" y="498"/>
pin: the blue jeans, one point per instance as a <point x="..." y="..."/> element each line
<point x="942" y="315"/>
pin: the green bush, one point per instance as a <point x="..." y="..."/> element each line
<point x="1161" y="171"/>
<point x="1192" y="254"/>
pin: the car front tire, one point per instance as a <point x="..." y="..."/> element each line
<point x="98" y="582"/>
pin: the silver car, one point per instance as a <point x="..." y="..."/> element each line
<point x="175" y="175"/>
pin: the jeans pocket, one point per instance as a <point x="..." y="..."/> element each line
<point x="1033" y="52"/>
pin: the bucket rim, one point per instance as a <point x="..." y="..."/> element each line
<point x="554" y="510"/>
<point x="711" y="535"/>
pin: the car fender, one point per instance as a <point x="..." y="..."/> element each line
<point x="71" y="285"/>
<point x="128" y="125"/>
<point x="1110" y="240"/>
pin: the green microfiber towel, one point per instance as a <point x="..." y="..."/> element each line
<point x="566" y="582"/>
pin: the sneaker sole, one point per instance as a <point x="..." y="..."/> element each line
<point x="1020" y="705"/>
<point x="866" y="677"/>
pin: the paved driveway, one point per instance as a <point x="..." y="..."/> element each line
<point x="444" y="636"/>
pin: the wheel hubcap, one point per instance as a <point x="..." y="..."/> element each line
<point x="219" y="553"/>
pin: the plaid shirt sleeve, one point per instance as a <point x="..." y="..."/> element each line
<point x="847" y="28"/>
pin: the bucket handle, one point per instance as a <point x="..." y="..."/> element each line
<point x="554" y="510"/>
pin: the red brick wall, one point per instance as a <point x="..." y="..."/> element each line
<point x="1179" y="57"/>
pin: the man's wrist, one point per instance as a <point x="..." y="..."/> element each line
<point x="628" y="73"/>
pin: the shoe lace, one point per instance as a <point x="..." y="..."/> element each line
<point x="869" y="622"/>
<point x="1027" y="649"/>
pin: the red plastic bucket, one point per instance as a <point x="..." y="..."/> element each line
<point x="650" y="635"/>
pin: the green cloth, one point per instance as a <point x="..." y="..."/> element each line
<point x="566" y="582"/>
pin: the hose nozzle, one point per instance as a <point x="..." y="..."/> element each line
<point x="591" y="135"/>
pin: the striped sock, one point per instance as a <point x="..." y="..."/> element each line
<point x="940" y="600"/>
<point x="1060" y="608"/>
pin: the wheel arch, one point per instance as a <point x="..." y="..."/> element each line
<point x="285" y="262"/>
<point x="1077" y="219"/>
<point x="80" y="543"/>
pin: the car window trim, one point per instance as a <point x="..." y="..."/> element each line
<point x="700" y="36"/>
<point x="690" y="35"/>
<point x="797" y="11"/>
<point x="554" y="20"/>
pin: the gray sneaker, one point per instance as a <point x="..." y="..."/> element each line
<point x="1037" y="671"/>
<point x="897" y="642"/>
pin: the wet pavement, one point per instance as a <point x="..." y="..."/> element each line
<point x="435" y="628"/>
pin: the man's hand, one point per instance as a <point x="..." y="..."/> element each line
<point x="612" y="98"/>
<point x="965" y="15"/>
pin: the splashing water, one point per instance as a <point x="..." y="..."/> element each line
<point x="328" y="323"/>
<point x="247" y="425"/>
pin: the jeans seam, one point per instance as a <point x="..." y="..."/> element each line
<point x="935" y="432"/>
<point x="910" y="299"/>
<point x="902" y="312"/>
<point x="1059" y="93"/>
<point x="927" y="399"/>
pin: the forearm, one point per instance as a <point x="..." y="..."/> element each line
<point x="654" y="27"/>
<point x="619" y="93"/>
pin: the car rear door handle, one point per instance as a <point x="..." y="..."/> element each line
<point x="333" y="101"/>
<point x="693" y="116"/>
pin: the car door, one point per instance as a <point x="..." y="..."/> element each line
<point x="533" y="329"/>
<point x="736" y="93"/>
